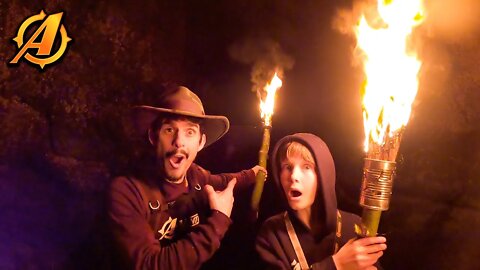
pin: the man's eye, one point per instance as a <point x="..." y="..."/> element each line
<point x="168" y="130"/>
<point x="191" y="132"/>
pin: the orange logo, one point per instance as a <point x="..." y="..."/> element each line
<point x="42" y="44"/>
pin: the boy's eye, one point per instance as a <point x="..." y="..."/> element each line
<point x="309" y="166"/>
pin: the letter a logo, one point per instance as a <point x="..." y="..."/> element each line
<point x="43" y="40"/>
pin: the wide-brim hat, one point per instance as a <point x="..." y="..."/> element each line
<point x="182" y="102"/>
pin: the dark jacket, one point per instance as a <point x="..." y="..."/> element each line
<point x="166" y="235"/>
<point x="330" y="227"/>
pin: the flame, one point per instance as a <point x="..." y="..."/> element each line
<point x="266" y="107"/>
<point x="391" y="69"/>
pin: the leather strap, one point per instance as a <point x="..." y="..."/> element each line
<point x="152" y="198"/>
<point x="338" y="233"/>
<point x="296" y="244"/>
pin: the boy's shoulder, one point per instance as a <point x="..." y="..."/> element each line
<point x="349" y="217"/>
<point x="274" y="223"/>
<point x="348" y="221"/>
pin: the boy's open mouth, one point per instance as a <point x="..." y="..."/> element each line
<point x="295" y="193"/>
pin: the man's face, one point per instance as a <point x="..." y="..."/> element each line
<point x="177" y="143"/>
<point x="299" y="182"/>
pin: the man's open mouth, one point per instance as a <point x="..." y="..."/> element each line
<point x="176" y="160"/>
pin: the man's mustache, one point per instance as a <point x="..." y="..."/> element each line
<point x="175" y="152"/>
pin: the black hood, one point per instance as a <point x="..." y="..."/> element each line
<point x="325" y="198"/>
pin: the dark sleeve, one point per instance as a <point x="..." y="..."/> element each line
<point x="325" y="264"/>
<point x="266" y="246"/>
<point x="348" y="232"/>
<point x="271" y="251"/>
<point x="129" y="224"/>
<point x="245" y="179"/>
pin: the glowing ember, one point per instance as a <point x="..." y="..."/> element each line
<point x="266" y="107"/>
<point x="390" y="67"/>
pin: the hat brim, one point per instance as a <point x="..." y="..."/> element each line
<point x="215" y="126"/>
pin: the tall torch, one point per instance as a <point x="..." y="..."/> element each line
<point x="266" y="112"/>
<point x="391" y="69"/>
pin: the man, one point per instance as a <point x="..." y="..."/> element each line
<point x="312" y="233"/>
<point x="176" y="216"/>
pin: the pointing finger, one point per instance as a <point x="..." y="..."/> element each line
<point x="231" y="184"/>
<point x="209" y="189"/>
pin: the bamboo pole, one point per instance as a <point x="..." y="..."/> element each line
<point x="262" y="161"/>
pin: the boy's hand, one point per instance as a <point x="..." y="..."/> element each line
<point x="360" y="253"/>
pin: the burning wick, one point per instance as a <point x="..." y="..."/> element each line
<point x="266" y="112"/>
<point x="390" y="87"/>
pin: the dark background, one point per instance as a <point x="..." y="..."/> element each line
<point x="63" y="133"/>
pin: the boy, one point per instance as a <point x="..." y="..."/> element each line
<point x="309" y="233"/>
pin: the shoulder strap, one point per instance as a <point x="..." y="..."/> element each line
<point x="338" y="234"/>
<point x="296" y="244"/>
<point x="152" y="198"/>
<point x="193" y="177"/>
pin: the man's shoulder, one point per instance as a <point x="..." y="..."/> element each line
<point x="123" y="195"/>
<point x="199" y="169"/>
<point x="122" y="180"/>
<point x="198" y="172"/>
<point x="348" y="224"/>
<point x="119" y="181"/>
<point x="125" y="184"/>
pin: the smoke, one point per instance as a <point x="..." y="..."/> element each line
<point x="453" y="21"/>
<point x="345" y="19"/>
<point x="266" y="57"/>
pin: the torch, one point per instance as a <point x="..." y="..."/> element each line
<point x="266" y="112"/>
<point x="391" y="69"/>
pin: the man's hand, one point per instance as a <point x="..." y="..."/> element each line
<point x="258" y="168"/>
<point x="221" y="200"/>
<point x="360" y="254"/>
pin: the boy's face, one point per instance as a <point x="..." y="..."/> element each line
<point x="177" y="143"/>
<point x="299" y="181"/>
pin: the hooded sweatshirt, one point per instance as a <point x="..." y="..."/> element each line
<point x="151" y="237"/>
<point x="330" y="227"/>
